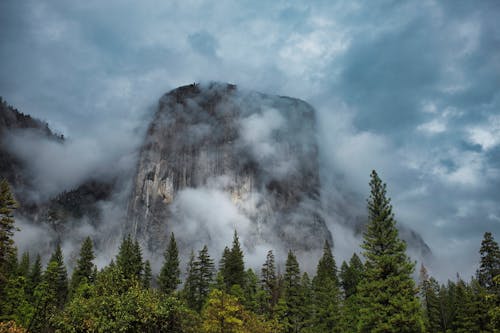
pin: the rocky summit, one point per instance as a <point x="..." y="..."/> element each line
<point x="253" y="156"/>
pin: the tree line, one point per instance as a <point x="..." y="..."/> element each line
<point x="371" y="293"/>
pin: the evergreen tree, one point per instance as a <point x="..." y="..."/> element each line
<point x="35" y="276"/>
<point x="292" y="293"/>
<point x="251" y="291"/>
<point x="84" y="266"/>
<point x="350" y="275"/>
<point x="480" y="304"/>
<point x="146" y="277"/>
<point x="129" y="259"/>
<point x="204" y="270"/>
<point x="429" y="291"/>
<point x="489" y="266"/>
<point x="224" y="258"/>
<point x="307" y="305"/>
<point x="326" y="293"/>
<point x="23" y="269"/>
<point x="169" y="277"/>
<point x="387" y="291"/>
<point x="56" y="278"/>
<point x="269" y="281"/>
<point x="234" y="267"/>
<point x="190" y="285"/>
<point x="7" y="228"/>
<point x="462" y="322"/>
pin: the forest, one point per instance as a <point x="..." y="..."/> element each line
<point x="373" y="292"/>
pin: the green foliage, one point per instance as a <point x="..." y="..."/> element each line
<point x="251" y="291"/>
<point x="200" y="276"/>
<point x="326" y="293"/>
<point x="350" y="275"/>
<point x="224" y="313"/>
<point x="35" y="276"/>
<point x="205" y="271"/>
<point x="23" y="268"/>
<point x="109" y="306"/>
<point x="190" y="293"/>
<point x="147" y="276"/>
<point x="387" y="291"/>
<point x="429" y="294"/>
<point x="233" y="269"/>
<point x="129" y="259"/>
<point x="269" y="283"/>
<point x="84" y="269"/>
<point x="7" y="228"/>
<point x="56" y="278"/>
<point x="292" y="293"/>
<point x="489" y="266"/>
<point x="378" y="296"/>
<point x="169" y="278"/>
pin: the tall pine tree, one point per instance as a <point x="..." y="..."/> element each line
<point x="429" y="291"/>
<point x="292" y="288"/>
<point x="489" y="266"/>
<point x="326" y="293"/>
<point x="205" y="275"/>
<point x="269" y="281"/>
<point x="129" y="259"/>
<point x="7" y="228"/>
<point x="233" y="265"/>
<point x="169" y="277"/>
<point x="350" y="275"/>
<point x="387" y="291"/>
<point x="56" y="278"/>
<point x="83" y="271"/>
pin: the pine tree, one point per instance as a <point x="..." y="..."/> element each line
<point x="7" y="228"/>
<point x="56" y="278"/>
<point x="350" y="275"/>
<point x="292" y="293"/>
<point x="205" y="275"/>
<point x="490" y="261"/>
<point x="234" y="267"/>
<point x="462" y="322"/>
<point x="146" y="277"/>
<point x="129" y="259"/>
<point x="189" y="291"/>
<point x="251" y="291"/>
<point x="429" y="290"/>
<point x="326" y="293"/>
<point x="169" y="277"/>
<point x="35" y="276"/>
<point x="23" y="268"/>
<point x="307" y="304"/>
<point x="387" y="291"/>
<point x="269" y="281"/>
<point x="480" y="304"/>
<point x="84" y="266"/>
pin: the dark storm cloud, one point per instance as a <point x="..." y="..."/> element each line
<point x="409" y="88"/>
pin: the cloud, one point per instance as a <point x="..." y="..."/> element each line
<point x="381" y="76"/>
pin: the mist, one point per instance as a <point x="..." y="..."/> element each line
<point x="426" y="122"/>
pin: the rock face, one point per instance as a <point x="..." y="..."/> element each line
<point x="255" y="152"/>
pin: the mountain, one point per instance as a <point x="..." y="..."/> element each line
<point x="56" y="211"/>
<point x="252" y="156"/>
<point x="215" y="158"/>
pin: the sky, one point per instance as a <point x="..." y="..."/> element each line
<point x="409" y="88"/>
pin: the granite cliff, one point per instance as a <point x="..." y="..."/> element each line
<point x="257" y="151"/>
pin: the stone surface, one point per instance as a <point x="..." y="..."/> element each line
<point x="260" y="151"/>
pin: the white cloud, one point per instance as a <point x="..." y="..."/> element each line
<point x="486" y="135"/>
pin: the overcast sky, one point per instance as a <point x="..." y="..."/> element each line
<point x="410" y="88"/>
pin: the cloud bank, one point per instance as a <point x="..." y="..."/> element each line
<point x="408" y="88"/>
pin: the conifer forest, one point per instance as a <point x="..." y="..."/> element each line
<point x="378" y="290"/>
